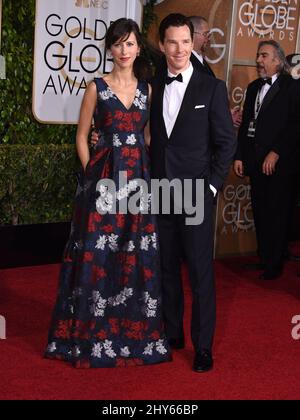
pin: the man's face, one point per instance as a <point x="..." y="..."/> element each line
<point x="267" y="61"/>
<point x="177" y="47"/>
<point x="202" y="38"/>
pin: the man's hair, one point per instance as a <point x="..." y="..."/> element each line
<point x="197" y="21"/>
<point x="177" y="20"/>
<point x="283" y="66"/>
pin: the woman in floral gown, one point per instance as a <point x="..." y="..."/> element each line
<point x="108" y="309"/>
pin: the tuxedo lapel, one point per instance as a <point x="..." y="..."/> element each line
<point x="187" y="102"/>
<point x="205" y="68"/>
<point x="197" y="63"/>
<point x="208" y="68"/>
<point x="270" y="95"/>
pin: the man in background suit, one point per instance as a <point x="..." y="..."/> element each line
<point x="202" y="36"/>
<point x="190" y="123"/>
<point x="264" y="151"/>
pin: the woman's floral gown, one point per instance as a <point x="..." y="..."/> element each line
<point x="108" y="309"/>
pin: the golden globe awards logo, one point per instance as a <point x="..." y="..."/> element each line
<point x="70" y="51"/>
<point x="272" y="19"/>
<point x="217" y="34"/>
<point x="238" y="97"/>
<point x="237" y="211"/>
<point x="75" y="47"/>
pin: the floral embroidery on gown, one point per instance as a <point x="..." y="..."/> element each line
<point x="108" y="309"/>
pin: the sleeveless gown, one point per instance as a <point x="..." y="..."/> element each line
<point x="108" y="308"/>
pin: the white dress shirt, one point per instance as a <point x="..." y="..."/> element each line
<point x="265" y="89"/>
<point x="173" y="97"/>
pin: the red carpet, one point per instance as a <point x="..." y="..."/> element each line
<point x="255" y="355"/>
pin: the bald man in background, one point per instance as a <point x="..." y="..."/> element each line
<point x="202" y="36"/>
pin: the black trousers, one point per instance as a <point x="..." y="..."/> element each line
<point x="197" y="243"/>
<point x="270" y="196"/>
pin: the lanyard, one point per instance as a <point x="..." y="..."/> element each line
<point x="258" y="104"/>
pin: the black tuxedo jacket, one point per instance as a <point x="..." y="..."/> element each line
<point x="202" y="143"/>
<point x="203" y="68"/>
<point x="276" y="126"/>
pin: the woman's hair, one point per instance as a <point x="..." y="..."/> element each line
<point x="121" y="30"/>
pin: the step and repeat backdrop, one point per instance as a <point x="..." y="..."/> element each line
<point x="69" y="52"/>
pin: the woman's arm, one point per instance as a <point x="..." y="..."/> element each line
<point x="147" y="127"/>
<point x="85" y="120"/>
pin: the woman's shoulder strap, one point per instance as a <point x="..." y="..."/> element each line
<point x="99" y="83"/>
<point x="144" y="87"/>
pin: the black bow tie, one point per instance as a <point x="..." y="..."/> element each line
<point x="268" y="81"/>
<point x="171" y="79"/>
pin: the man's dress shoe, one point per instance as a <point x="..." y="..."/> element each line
<point x="176" y="343"/>
<point x="203" y="361"/>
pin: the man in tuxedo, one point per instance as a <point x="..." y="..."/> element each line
<point x="201" y="41"/>
<point x="264" y="151"/>
<point x="190" y="122"/>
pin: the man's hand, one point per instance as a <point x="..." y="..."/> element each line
<point x="236" y="117"/>
<point x="238" y="168"/>
<point x="269" y="164"/>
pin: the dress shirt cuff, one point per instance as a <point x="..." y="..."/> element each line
<point x="213" y="189"/>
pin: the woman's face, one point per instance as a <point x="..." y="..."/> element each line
<point x="125" y="52"/>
